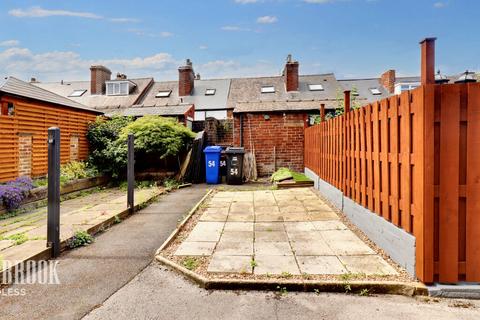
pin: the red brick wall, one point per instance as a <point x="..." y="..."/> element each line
<point x="291" y="76"/>
<point x="285" y="134"/>
<point x="388" y="80"/>
<point x="98" y="76"/>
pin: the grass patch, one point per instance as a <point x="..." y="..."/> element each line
<point x="190" y="263"/>
<point x="18" y="238"/>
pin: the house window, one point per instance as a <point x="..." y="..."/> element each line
<point x="77" y="93"/>
<point x="199" y="115"/>
<point x="315" y="87"/>
<point x="117" y="88"/>
<point x="268" y="89"/>
<point x="7" y="109"/>
<point x="163" y="94"/>
<point x="375" y="91"/>
<point x="210" y="92"/>
<point x="217" y="114"/>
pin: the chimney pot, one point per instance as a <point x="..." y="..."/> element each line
<point x="98" y="76"/>
<point x="428" y="61"/>
<point x="291" y="74"/>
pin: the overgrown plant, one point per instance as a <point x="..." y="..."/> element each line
<point x="14" y="192"/>
<point x="80" y="239"/>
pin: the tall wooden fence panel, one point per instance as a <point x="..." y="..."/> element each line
<point x="414" y="160"/>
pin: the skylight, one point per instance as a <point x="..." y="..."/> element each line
<point x="163" y="94"/>
<point x="375" y="91"/>
<point x="210" y="92"/>
<point x="77" y="93"/>
<point x="268" y="89"/>
<point x="315" y="87"/>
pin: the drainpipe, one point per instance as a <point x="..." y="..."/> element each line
<point x="241" y="129"/>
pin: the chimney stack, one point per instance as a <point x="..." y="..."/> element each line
<point x="387" y="80"/>
<point x="186" y="79"/>
<point x="291" y="74"/>
<point x="428" y="61"/>
<point x="98" y="76"/>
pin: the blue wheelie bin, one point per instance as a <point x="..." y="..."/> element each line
<point x="212" y="164"/>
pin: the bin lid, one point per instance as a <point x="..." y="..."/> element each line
<point x="213" y="149"/>
<point x="236" y="150"/>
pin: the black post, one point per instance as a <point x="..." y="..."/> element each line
<point x="130" y="172"/>
<point x="53" y="224"/>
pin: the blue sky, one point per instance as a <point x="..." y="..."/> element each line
<point x="54" y="40"/>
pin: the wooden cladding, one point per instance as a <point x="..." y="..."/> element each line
<point x="35" y="119"/>
<point x="413" y="159"/>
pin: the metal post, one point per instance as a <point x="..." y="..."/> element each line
<point x="130" y="173"/>
<point x="53" y="224"/>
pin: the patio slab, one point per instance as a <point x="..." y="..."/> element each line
<point x="227" y="264"/>
<point x="321" y="265"/>
<point x="273" y="248"/>
<point x="195" y="248"/>
<point x="275" y="265"/>
<point x="238" y="226"/>
<point x="234" y="248"/>
<point x="369" y="264"/>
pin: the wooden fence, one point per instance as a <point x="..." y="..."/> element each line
<point x="35" y="119"/>
<point x="413" y="159"/>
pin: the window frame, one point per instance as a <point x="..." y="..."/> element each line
<point x="263" y="89"/>
<point x="320" y="86"/>
<point x="76" y="95"/>
<point x="167" y="94"/>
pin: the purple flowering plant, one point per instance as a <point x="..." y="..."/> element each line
<point x="14" y="192"/>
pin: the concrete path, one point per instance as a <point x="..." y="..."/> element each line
<point x="158" y="293"/>
<point x="274" y="232"/>
<point x="91" y="274"/>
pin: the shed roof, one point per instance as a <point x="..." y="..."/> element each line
<point x="21" y="88"/>
<point x="100" y="102"/>
<point x="177" y="110"/>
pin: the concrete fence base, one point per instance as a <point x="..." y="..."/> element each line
<point x="396" y="242"/>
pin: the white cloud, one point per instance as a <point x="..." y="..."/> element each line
<point x="9" y="43"/>
<point x="246" y="1"/>
<point x="123" y="20"/>
<point x="38" y="12"/>
<point x="439" y="5"/>
<point x="267" y="19"/>
<point x="166" y="34"/>
<point x="232" y="69"/>
<point x="203" y="47"/>
<point x="234" y="28"/>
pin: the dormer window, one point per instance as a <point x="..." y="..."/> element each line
<point x="77" y="93"/>
<point x="119" y="88"/>
<point x="315" y="87"/>
<point x="163" y="94"/>
<point x="268" y="89"/>
<point x="375" y="91"/>
<point x="210" y="92"/>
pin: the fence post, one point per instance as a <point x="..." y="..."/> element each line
<point x="322" y="112"/>
<point x="345" y="139"/>
<point x="130" y="173"/>
<point x="53" y="220"/>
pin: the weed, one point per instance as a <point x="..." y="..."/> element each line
<point x="117" y="219"/>
<point x="253" y="263"/>
<point x="317" y="291"/>
<point x="461" y="304"/>
<point x="364" y="292"/>
<point x="81" y="238"/>
<point x="18" y="238"/>
<point x="171" y="184"/>
<point x="346" y="277"/>
<point x="190" y="263"/>
<point x="286" y="274"/>
<point x="282" y="291"/>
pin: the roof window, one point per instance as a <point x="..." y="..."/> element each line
<point x="268" y="89"/>
<point x="210" y="92"/>
<point x="163" y="94"/>
<point x="77" y="93"/>
<point x="375" y="91"/>
<point x="315" y="87"/>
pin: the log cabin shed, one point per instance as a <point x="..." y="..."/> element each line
<point x="26" y="113"/>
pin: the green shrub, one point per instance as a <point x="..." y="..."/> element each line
<point x="157" y="135"/>
<point x="76" y="170"/>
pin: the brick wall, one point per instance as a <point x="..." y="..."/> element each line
<point x="74" y="148"/>
<point x="24" y="155"/>
<point x="388" y="80"/>
<point x="281" y="134"/>
<point x="219" y="132"/>
<point x="98" y="76"/>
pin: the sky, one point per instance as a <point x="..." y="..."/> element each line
<point x="59" y="40"/>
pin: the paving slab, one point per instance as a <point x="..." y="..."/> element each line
<point x="269" y="226"/>
<point x="241" y="207"/>
<point x="269" y="217"/>
<point x="329" y="225"/>
<point x="238" y="226"/>
<point x="269" y="209"/>
<point x="234" y="248"/>
<point x="304" y="236"/>
<point x="219" y="210"/>
<point x="218" y="217"/>
<point x="368" y="264"/>
<point x="322" y="215"/>
<point x="241" y="217"/>
<point x="273" y="248"/>
<point x="275" y="265"/>
<point x="345" y="242"/>
<point x="294" y="216"/>
<point x="195" y="248"/>
<point x="271" y="236"/>
<point x="321" y="265"/>
<point x="311" y="248"/>
<point x="226" y="264"/>
<point x="237" y="236"/>
<point x="299" y="226"/>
